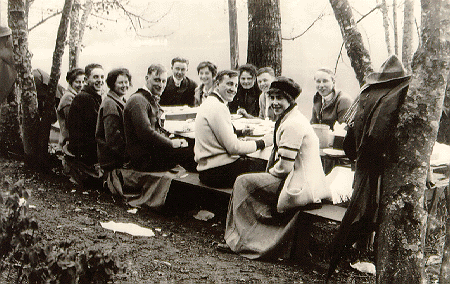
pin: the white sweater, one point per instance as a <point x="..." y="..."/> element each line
<point x="216" y="144"/>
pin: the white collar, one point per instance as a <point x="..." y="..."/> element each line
<point x="177" y="83"/>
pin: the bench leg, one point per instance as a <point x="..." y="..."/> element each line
<point x="300" y="245"/>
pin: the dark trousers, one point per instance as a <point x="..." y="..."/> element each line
<point x="166" y="160"/>
<point x="224" y="176"/>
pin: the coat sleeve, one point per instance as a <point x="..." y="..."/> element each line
<point x="291" y="139"/>
<point x="223" y="130"/>
<point x="144" y="129"/>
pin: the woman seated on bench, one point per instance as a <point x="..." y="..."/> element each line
<point x="254" y="228"/>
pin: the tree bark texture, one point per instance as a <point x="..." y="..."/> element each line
<point x="387" y="36"/>
<point x="359" y="56"/>
<point x="49" y="106"/>
<point x="264" y="34"/>
<point x="234" y="39"/>
<point x="87" y="12"/>
<point x="444" y="277"/>
<point x="408" y="23"/>
<point x="395" y="25"/>
<point x="28" y="96"/>
<point x="74" y="35"/>
<point x="401" y="234"/>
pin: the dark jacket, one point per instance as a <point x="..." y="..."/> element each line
<point x="145" y="137"/>
<point x="247" y="99"/>
<point x="183" y="95"/>
<point x="369" y="141"/>
<point x="332" y="112"/>
<point x="81" y="124"/>
<point x="110" y="133"/>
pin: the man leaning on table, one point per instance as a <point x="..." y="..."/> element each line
<point x="147" y="143"/>
<point x="218" y="151"/>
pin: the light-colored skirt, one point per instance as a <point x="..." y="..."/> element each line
<point x="254" y="228"/>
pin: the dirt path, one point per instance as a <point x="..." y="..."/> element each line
<point x="182" y="251"/>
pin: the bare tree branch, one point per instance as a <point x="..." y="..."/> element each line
<point x="357" y="22"/>
<point x="44" y="20"/>
<point x="310" y="26"/>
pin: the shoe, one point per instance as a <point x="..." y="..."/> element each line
<point x="224" y="248"/>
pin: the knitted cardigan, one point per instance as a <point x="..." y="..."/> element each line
<point x="216" y="144"/>
<point x="296" y="148"/>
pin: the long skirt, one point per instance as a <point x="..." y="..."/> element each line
<point x="254" y="228"/>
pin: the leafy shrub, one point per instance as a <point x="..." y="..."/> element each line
<point x="33" y="261"/>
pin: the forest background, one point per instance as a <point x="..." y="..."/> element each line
<point x="198" y="30"/>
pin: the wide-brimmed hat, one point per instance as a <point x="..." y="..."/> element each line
<point x="4" y="31"/>
<point x="391" y="69"/>
<point x="287" y="86"/>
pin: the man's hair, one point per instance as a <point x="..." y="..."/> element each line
<point x="223" y="73"/>
<point x="73" y="73"/>
<point x="268" y="70"/>
<point x="158" y="68"/>
<point x="113" y="74"/>
<point x="180" y="59"/>
<point x="250" y="68"/>
<point x="328" y="71"/>
<point x="88" y="69"/>
<point x="211" y="66"/>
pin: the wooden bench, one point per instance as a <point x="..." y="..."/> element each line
<point x="327" y="211"/>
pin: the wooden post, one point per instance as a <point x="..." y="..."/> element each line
<point x="234" y="44"/>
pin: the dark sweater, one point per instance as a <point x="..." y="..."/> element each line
<point x="183" y="95"/>
<point x="247" y="99"/>
<point x="110" y="133"/>
<point x="81" y="124"/>
<point x="145" y="137"/>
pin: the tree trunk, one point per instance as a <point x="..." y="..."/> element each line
<point x="87" y="12"/>
<point x="74" y="35"/>
<point x="401" y="235"/>
<point x="394" y="21"/>
<point x="234" y="39"/>
<point x="359" y="56"/>
<point x="407" y="34"/>
<point x="387" y="36"/>
<point x="49" y="105"/>
<point x="444" y="277"/>
<point x="28" y="96"/>
<point x="264" y="34"/>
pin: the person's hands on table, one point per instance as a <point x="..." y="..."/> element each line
<point x="247" y="131"/>
<point x="179" y="143"/>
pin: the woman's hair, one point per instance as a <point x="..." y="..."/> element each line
<point x="328" y="71"/>
<point x="72" y="75"/>
<point x="268" y="70"/>
<point x="113" y="74"/>
<point x="250" y="68"/>
<point x="211" y="66"/>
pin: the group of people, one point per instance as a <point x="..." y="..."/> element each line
<point x="112" y="140"/>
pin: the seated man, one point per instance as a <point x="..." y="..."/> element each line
<point x="180" y="90"/>
<point x="147" y="143"/>
<point x="265" y="77"/>
<point x="81" y="123"/>
<point x="217" y="148"/>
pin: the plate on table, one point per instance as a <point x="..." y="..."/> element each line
<point x="334" y="152"/>
<point x="253" y="121"/>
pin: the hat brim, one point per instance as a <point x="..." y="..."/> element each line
<point x="377" y="78"/>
